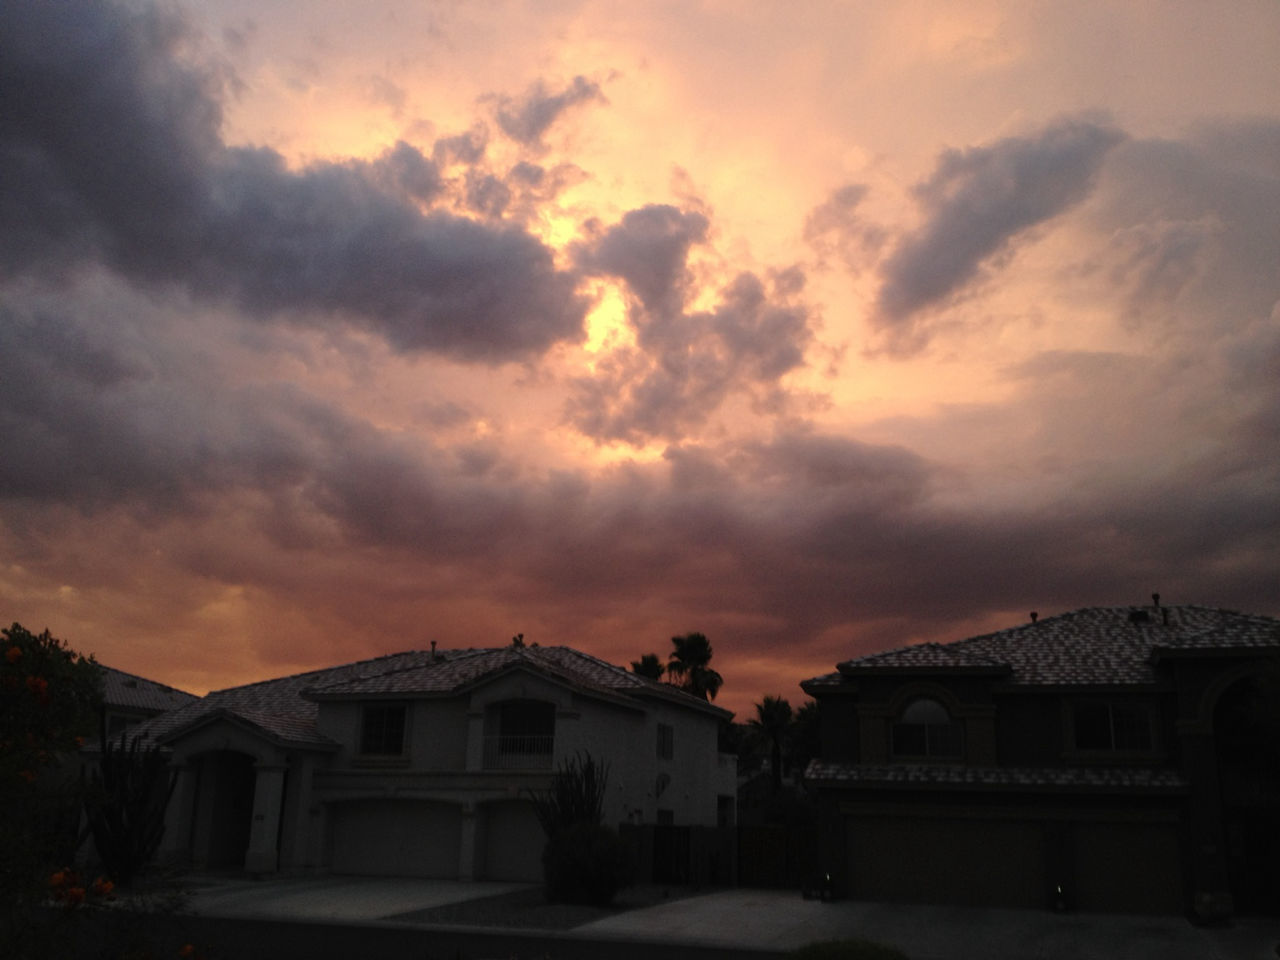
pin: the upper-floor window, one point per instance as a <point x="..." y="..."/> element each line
<point x="382" y="729"/>
<point x="1110" y="725"/>
<point x="666" y="741"/>
<point x="925" y="729"/>
<point x="524" y="737"/>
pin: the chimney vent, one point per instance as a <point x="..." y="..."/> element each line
<point x="1034" y="616"/>
<point x="1155" y="598"/>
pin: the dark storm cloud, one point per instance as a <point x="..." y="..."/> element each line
<point x="685" y="365"/>
<point x="976" y="203"/>
<point x="110" y="150"/>
<point x="526" y="119"/>
<point x="688" y="365"/>
<point x="649" y="249"/>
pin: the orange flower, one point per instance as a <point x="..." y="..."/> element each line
<point x="58" y="879"/>
<point x="74" y="896"/>
<point x="13" y="654"/>
<point x="102" y="887"/>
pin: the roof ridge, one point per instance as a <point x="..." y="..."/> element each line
<point x="154" y="683"/>
<point x="310" y="673"/>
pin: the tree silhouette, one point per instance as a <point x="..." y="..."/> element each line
<point x="772" y="726"/>
<point x="690" y="666"/>
<point x="649" y="666"/>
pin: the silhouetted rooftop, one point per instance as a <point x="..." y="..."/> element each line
<point x="1095" y="645"/>
<point x="285" y="708"/>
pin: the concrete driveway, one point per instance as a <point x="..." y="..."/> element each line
<point x="767" y="920"/>
<point x="332" y="897"/>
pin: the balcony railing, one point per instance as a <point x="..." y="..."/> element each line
<point x="518" y="752"/>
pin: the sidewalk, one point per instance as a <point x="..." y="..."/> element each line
<point x="751" y="921"/>
<point x="766" y="919"/>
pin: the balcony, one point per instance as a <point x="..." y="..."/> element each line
<point x="518" y="751"/>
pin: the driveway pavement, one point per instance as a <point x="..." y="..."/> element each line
<point x="764" y="920"/>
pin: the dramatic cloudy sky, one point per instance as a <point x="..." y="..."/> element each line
<point x="332" y="329"/>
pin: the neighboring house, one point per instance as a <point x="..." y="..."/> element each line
<point x="127" y="700"/>
<point x="1107" y="759"/>
<point x="418" y="763"/>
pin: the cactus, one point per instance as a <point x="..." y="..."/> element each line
<point x="125" y="803"/>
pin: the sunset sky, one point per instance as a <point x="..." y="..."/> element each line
<point x="332" y="329"/>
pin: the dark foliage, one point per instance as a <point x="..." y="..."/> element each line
<point x="586" y="863"/>
<point x="576" y="795"/>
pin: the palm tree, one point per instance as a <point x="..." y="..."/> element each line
<point x="772" y="725"/>
<point x="690" y="666"/>
<point x="649" y="666"/>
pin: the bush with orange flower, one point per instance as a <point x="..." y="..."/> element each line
<point x="49" y="695"/>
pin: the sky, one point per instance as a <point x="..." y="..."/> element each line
<point x="330" y="330"/>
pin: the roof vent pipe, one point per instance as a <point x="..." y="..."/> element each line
<point x="1155" y="598"/>
<point x="1034" y="616"/>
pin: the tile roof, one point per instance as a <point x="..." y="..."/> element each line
<point x="130" y="692"/>
<point x="952" y="776"/>
<point x="1095" y="645"/>
<point x="286" y="708"/>
<point x="276" y="706"/>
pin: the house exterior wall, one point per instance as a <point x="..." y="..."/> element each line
<point x="1104" y="845"/>
<point x="481" y="822"/>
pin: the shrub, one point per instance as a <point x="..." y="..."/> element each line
<point x="576" y="794"/>
<point x="847" y="950"/>
<point x="586" y="863"/>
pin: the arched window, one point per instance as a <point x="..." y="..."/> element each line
<point x="926" y="730"/>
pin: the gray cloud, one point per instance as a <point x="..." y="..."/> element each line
<point x="110" y="151"/>
<point x="526" y="119"/>
<point x="977" y="202"/>
<point x="648" y="249"/>
<point x="688" y="365"/>
<point x="835" y="228"/>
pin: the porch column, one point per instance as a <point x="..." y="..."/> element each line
<point x="175" y="846"/>
<point x="471" y="849"/>
<point x="264" y="830"/>
<point x="475" y="740"/>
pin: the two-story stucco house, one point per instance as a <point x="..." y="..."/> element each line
<point x="1107" y="759"/>
<point x="417" y="763"/>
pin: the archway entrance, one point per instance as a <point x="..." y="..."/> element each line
<point x="1246" y="727"/>
<point x="223" y="810"/>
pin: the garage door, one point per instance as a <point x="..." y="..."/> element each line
<point x="513" y="842"/>
<point x="1128" y="867"/>
<point x="409" y="838"/>
<point x="968" y="862"/>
